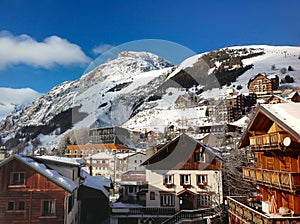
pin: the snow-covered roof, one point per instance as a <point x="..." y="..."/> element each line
<point x="287" y="114"/>
<point x="125" y="155"/>
<point x="291" y="94"/>
<point x="242" y="122"/>
<point x="66" y="160"/>
<point x="96" y="182"/>
<point x="100" y="155"/>
<point x="62" y="181"/>
<point x="125" y="205"/>
<point x="272" y="76"/>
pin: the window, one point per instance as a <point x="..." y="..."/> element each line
<point x="48" y="208"/>
<point x="131" y="189"/>
<point x="18" y="178"/>
<point x="11" y="205"/>
<point x="152" y="195"/>
<point x="70" y="202"/>
<point x="202" y="179"/>
<point x="168" y="179"/>
<point x="204" y="200"/>
<point x="199" y="157"/>
<point x="21" y="205"/>
<point x="185" y="179"/>
<point x="167" y="200"/>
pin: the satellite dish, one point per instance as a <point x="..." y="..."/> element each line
<point x="287" y="141"/>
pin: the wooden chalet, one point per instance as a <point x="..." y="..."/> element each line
<point x="185" y="100"/>
<point x="273" y="135"/>
<point x="263" y="83"/>
<point x="274" y="99"/>
<point x="294" y="97"/>
<point x="31" y="192"/>
<point x="182" y="175"/>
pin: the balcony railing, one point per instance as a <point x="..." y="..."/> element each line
<point x="238" y="208"/>
<point x="198" y="214"/>
<point x="271" y="141"/>
<point x="143" y="211"/>
<point x="284" y="180"/>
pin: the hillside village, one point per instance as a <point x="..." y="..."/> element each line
<point x="231" y="158"/>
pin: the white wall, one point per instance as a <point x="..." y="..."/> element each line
<point x="155" y="181"/>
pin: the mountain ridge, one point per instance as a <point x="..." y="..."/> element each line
<point x="117" y="91"/>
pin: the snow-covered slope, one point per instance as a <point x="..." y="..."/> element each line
<point x="12" y="100"/>
<point x="274" y="59"/>
<point x="138" y="90"/>
<point x="108" y="95"/>
<point x="260" y="59"/>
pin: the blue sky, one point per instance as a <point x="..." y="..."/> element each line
<point x="43" y="43"/>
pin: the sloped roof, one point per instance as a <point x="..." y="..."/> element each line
<point x="178" y="150"/>
<point x="52" y="175"/>
<point x="286" y="115"/>
<point x="63" y="160"/>
<point x="96" y="182"/>
<point x="276" y="96"/>
<point x="100" y="155"/>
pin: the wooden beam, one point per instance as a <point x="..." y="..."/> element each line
<point x="257" y="132"/>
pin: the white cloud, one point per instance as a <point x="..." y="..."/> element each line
<point x="51" y="51"/>
<point x="102" y="48"/>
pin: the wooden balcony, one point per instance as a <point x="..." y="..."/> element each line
<point x="267" y="142"/>
<point x="289" y="181"/>
<point x="240" y="211"/>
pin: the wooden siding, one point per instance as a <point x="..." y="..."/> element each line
<point x="263" y="84"/>
<point x="283" y="199"/>
<point x="36" y="189"/>
<point x="211" y="163"/>
<point x="286" y="161"/>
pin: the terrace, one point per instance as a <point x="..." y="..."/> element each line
<point x="246" y="210"/>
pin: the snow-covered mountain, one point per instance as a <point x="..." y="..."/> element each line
<point x="138" y="90"/>
<point x="12" y="100"/>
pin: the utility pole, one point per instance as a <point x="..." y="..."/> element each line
<point x="114" y="177"/>
<point x="91" y="166"/>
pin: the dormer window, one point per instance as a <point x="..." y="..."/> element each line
<point x="199" y="157"/>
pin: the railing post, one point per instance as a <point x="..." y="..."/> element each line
<point x="291" y="183"/>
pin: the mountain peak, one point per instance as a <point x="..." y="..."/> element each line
<point x="145" y="56"/>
